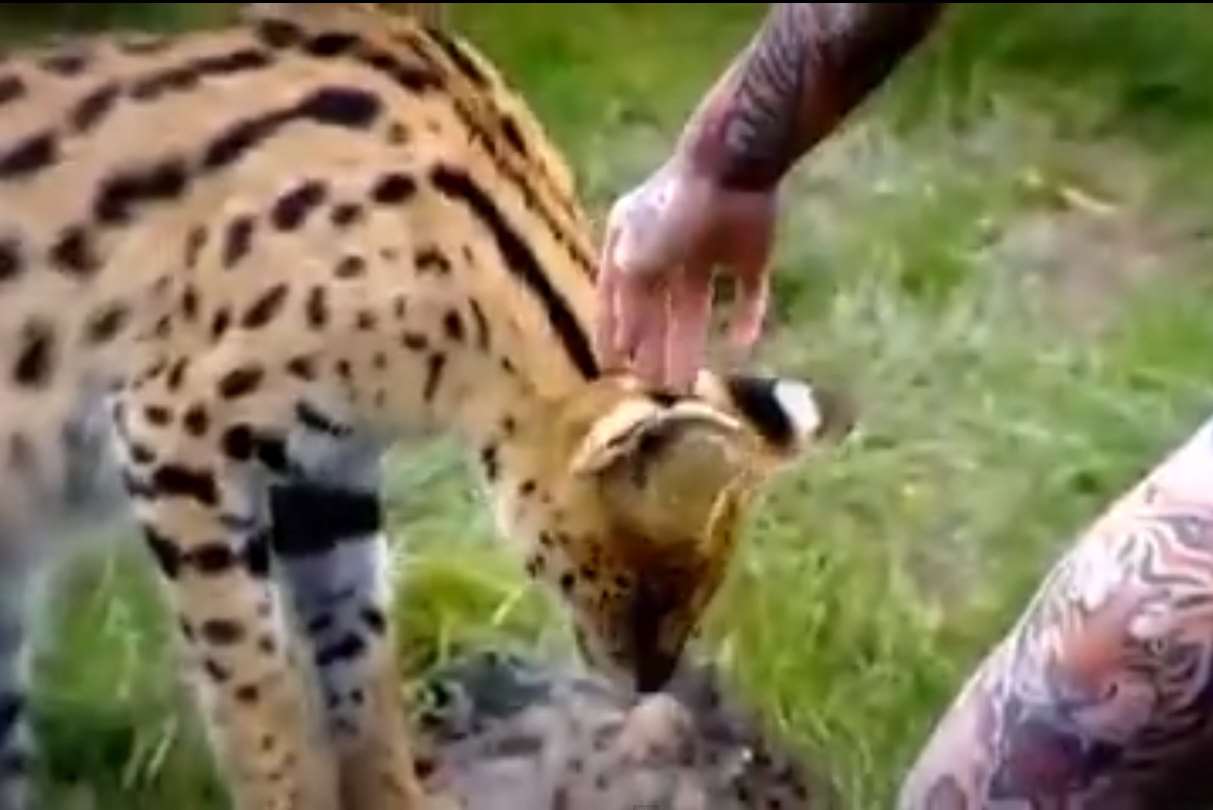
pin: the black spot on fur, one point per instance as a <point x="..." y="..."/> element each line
<point x="265" y="308"/>
<point x="158" y="415"/>
<point x="400" y="306"/>
<point x="414" y="341"/>
<point x="330" y="43"/>
<point x="397" y="134"/>
<point x="238" y="240"/>
<point x="410" y="77"/>
<point x="346" y="214"/>
<point x="351" y="646"/>
<point x="271" y="452"/>
<point x="220" y="323"/>
<point x="212" y="559"/>
<point x="489" y="460"/>
<point x="238" y="443"/>
<point x="176" y="374"/>
<point x="11" y="89"/>
<point x="165" y="552"/>
<point x="174" y="480"/>
<point x="302" y="368"/>
<point x="163" y="327"/>
<point x="257" y="555"/>
<point x="194" y="244"/>
<point x="240" y="382"/>
<point x="141" y="454"/>
<point x="92" y="109"/>
<point x="292" y="208"/>
<point x="248" y="694"/>
<point x="65" y="64"/>
<point x="196" y="421"/>
<point x="433" y="376"/>
<point x="374" y="619"/>
<point x="189" y="303"/>
<point x="393" y="188"/>
<point x="350" y="267"/>
<point x="105" y="324"/>
<point x="350" y="107"/>
<point x="452" y="324"/>
<point x="310" y="519"/>
<point x="431" y="260"/>
<point x="527" y="488"/>
<point x="482" y="325"/>
<point x="279" y="33"/>
<point x="567" y="582"/>
<point x="321" y="623"/>
<point x="343" y="369"/>
<point x="73" y="252"/>
<point x="29" y="156"/>
<point x="509" y="127"/>
<point x="317" y="308"/>
<point x="35" y="359"/>
<point x="216" y="671"/>
<point x="365" y="321"/>
<point x="222" y="632"/>
<point x="11" y="261"/>
<point x="518" y="256"/>
<point x="121" y="193"/>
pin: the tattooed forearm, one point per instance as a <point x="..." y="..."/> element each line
<point x="808" y="67"/>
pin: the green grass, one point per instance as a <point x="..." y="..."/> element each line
<point x="1001" y="256"/>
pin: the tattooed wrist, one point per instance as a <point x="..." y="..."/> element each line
<point x="808" y="67"/>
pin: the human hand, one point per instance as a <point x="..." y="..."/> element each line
<point x="664" y="242"/>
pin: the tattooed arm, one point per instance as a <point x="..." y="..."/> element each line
<point x="809" y="66"/>
<point x="712" y="205"/>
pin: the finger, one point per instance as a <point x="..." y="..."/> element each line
<point x="690" y="312"/>
<point x="649" y="351"/>
<point x="750" y="309"/>
<point x="606" y="324"/>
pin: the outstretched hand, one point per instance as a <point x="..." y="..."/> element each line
<point x="665" y="240"/>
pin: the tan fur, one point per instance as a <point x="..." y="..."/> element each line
<point x="436" y="331"/>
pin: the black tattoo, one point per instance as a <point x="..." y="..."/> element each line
<point x="808" y="67"/>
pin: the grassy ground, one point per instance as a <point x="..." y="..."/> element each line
<point x="1001" y="256"/>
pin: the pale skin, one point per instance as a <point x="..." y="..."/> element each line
<point x="712" y="207"/>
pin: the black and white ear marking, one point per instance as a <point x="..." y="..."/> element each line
<point x="787" y="412"/>
<point x="800" y="404"/>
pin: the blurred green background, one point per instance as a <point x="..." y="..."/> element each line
<point x="1004" y="256"/>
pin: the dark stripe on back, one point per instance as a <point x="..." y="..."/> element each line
<point x="463" y="62"/>
<point x="349" y="107"/>
<point x="122" y="192"/>
<point x="521" y="261"/>
<point x="188" y="74"/>
<point x="522" y="183"/>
